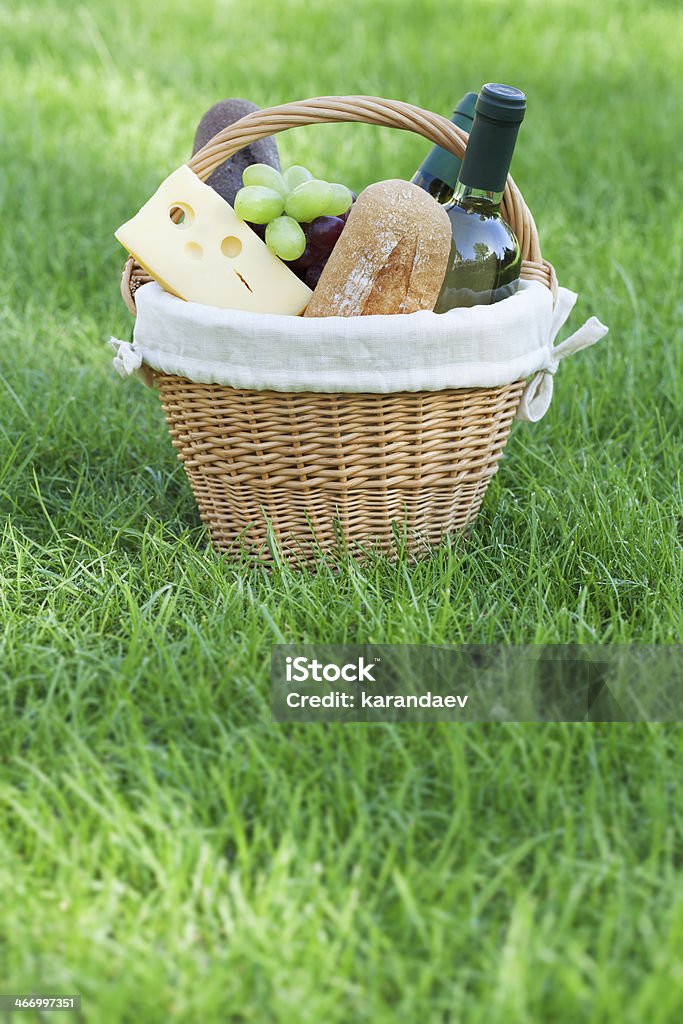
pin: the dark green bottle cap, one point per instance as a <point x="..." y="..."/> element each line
<point x="501" y="102"/>
<point x="499" y="113"/>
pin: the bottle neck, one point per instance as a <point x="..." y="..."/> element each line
<point x="488" y="156"/>
<point x="483" y="200"/>
<point x="441" y="164"/>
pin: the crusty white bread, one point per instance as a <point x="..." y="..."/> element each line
<point x="391" y="256"/>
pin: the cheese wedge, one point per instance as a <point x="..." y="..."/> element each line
<point x="209" y="255"/>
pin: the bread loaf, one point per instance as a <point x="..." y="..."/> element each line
<point x="391" y="257"/>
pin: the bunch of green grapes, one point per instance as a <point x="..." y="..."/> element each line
<point x="299" y="217"/>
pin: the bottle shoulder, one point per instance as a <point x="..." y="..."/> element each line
<point x="478" y="235"/>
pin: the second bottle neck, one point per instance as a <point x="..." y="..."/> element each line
<point x="477" y="199"/>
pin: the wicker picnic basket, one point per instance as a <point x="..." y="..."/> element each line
<point x="317" y="471"/>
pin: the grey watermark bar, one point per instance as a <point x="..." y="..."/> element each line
<point x="38" y="1001"/>
<point x="476" y="683"/>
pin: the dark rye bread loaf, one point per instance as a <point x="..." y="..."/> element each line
<point x="227" y="178"/>
<point x="391" y="257"/>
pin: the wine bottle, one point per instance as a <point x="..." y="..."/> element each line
<point x="485" y="260"/>
<point x="438" y="172"/>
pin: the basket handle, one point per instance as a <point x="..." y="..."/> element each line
<point x="366" y="110"/>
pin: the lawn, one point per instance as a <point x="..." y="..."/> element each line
<point x="166" y="849"/>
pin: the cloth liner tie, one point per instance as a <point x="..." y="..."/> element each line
<point x="128" y="360"/>
<point x="538" y="393"/>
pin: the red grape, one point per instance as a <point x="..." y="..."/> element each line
<point x="324" y="232"/>
<point x="313" y="274"/>
<point x="311" y="254"/>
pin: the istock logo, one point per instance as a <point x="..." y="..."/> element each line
<point x="300" y="670"/>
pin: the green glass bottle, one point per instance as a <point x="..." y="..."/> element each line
<point x="485" y="260"/>
<point x="438" y="172"/>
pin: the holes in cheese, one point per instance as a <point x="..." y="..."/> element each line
<point x="181" y="214"/>
<point x="193" y="263"/>
<point x="231" y="247"/>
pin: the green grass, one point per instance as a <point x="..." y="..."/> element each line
<point x="166" y="849"/>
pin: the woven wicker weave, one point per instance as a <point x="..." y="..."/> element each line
<point x="321" y="471"/>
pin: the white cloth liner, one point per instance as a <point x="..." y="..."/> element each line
<point x="483" y="346"/>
